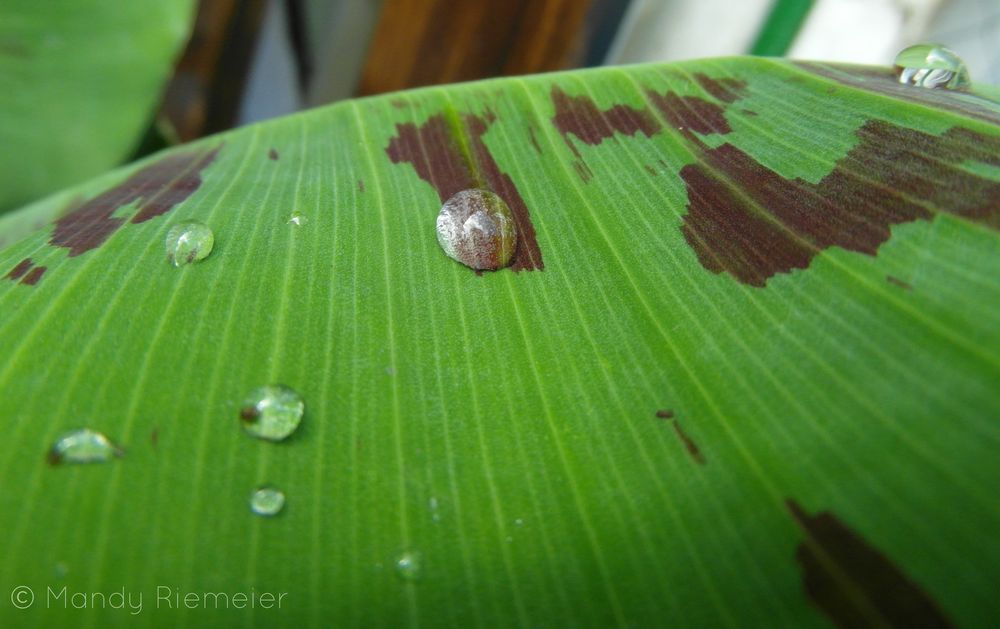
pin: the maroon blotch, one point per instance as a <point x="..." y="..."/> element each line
<point x="18" y="271"/>
<point x="438" y="159"/>
<point x="725" y="90"/>
<point x="159" y="187"/>
<point x="748" y="221"/>
<point x="854" y="583"/>
<point x="34" y="275"/>
<point x="665" y="413"/>
<point x="272" y="155"/>
<point x="690" y="113"/>
<point x="580" y="116"/>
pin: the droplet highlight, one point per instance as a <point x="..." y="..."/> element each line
<point x="298" y="218"/>
<point x="83" y="446"/>
<point x="476" y="227"/>
<point x="931" y="66"/>
<point x="409" y="565"/>
<point x="189" y="242"/>
<point x="273" y="412"/>
<point x="267" y="501"/>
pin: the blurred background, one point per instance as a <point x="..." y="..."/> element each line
<point x="255" y="59"/>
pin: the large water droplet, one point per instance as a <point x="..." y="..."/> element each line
<point x="476" y="228"/>
<point x="931" y="65"/>
<point x="298" y="218"/>
<point x="272" y="412"/>
<point x="267" y="500"/>
<point x="408" y="566"/>
<point x="189" y="242"/>
<point x="83" y="446"/>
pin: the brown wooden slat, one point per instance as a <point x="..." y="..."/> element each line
<point x="429" y="42"/>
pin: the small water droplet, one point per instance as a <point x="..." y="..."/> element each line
<point x="189" y="242"/>
<point x="432" y="504"/>
<point x="408" y="566"/>
<point x="83" y="446"/>
<point x="61" y="570"/>
<point x="272" y="412"/>
<point x="267" y="500"/>
<point x="476" y="228"/>
<point x="508" y="539"/>
<point x="298" y="218"/>
<point x="519" y="522"/>
<point x="931" y="65"/>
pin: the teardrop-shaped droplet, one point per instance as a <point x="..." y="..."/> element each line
<point x="476" y="228"/>
<point x="931" y="65"/>
<point x="408" y="565"/>
<point x="272" y="412"/>
<point x="83" y="446"/>
<point x="189" y="242"/>
<point x="267" y="500"/>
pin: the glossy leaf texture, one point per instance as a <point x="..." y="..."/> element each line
<point x="742" y="371"/>
<point x="79" y="82"/>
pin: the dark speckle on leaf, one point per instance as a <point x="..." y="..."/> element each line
<point x="854" y="583"/>
<point x="892" y="279"/>
<point x="272" y="155"/>
<point x="665" y="414"/>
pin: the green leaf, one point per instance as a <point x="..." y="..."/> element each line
<point x="743" y="370"/>
<point x="80" y="79"/>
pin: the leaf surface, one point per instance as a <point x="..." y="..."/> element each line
<point x="743" y="370"/>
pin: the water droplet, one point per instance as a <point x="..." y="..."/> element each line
<point x="408" y="566"/>
<point x="272" y="412"/>
<point x="267" y="500"/>
<point x="83" y="446"/>
<point x="298" y="218"/>
<point x="432" y="504"/>
<point x="61" y="570"/>
<point x="931" y="65"/>
<point x="189" y="242"/>
<point x="519" y="522"/>
<point x="476" y="228"/>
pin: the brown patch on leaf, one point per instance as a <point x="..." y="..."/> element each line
<point x="580" y="116"/>
<point x="272" y="155"/>
<point x="361" y="185"/>
<point x="34" y="275"/>
<point x="892" y="279"/>
<point x="690" y="113"/>
<point x="749" y="112"/>
<point x="27" y="272"/>
<point x="748" y="221"/>
<point x="725" y="90"/>
<point x="665" y="414"/>
<point x="158" y="187"/>
<point x="854" y="583"/>
<point x="884" y="81"/>
<point x="154" y="437"/>
<point x="649" y="169"/>
<point x="18" y="271"/>
<point x="438" y="158"/>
